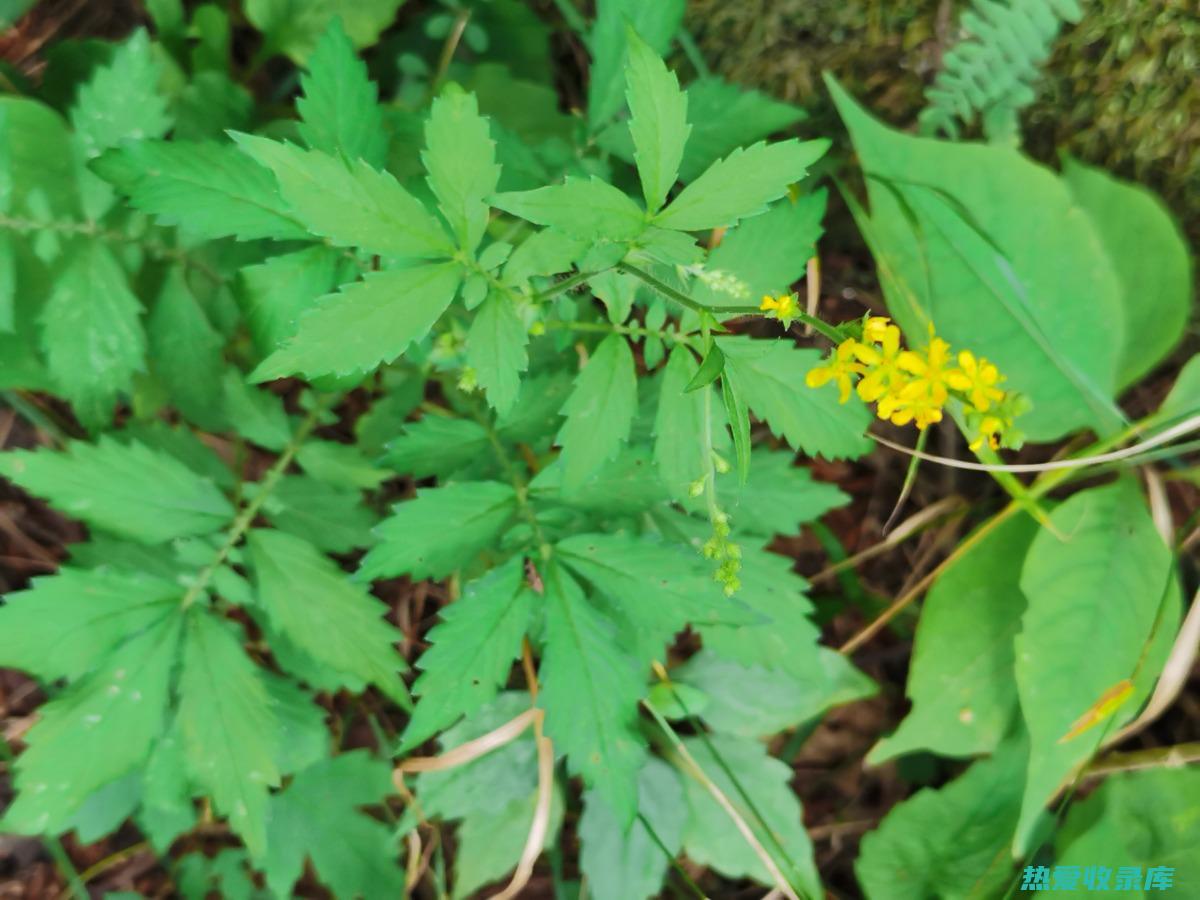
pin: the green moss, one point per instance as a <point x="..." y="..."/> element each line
<point x="1120" y="90"/>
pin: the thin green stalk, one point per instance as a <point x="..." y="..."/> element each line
<point x="246" y="517"/>
<point x="574" y="18"/>
<point x="687" y="43"/>
<point x="453" y="38"/>
<point x="627" y="330"/>
<point x="684" y="300"/>
<point x="680" y="870"/>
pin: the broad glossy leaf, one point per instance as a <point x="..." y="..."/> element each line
<point x="590" y="692"/>
<point x="1151" y="260"/>
<point x="440" y="530"/>
<point x="960" y="243"/>
<point x="658" y="120"/>
<point x="228" y="726"/>
<point x="599" y="411"/>
<point x="350" y="203"/>
<point x="740" y="185"/>
<point x="128" y="490"/>
<point x="100" y="729"/>
<point x="960" y="679"/>
<point x="1140" y="819"/>
<point x="471" y="650"/>
<point x="367" y="323"/>
<point x="92" y="333"/>
<point x="340" y="108"/>
<point x="948" y="843"/>
<point x="460" y="157"/>
<point x="770" y="377"/>
<point x="322" y="612"/>
<point x="210" y="190"/>
<point x="1094" y="596"/>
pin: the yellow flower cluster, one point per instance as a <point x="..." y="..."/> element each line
<point x="911" y="386"/>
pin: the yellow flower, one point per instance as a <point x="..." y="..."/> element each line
<point x="783" y="307"/>
<point x="912" y="403"/>
<point x="840" y="368"/>
<point x="875" y="327"/>
<point x="929" y="370"/>
<point x="989" y="430"/>
<point x="977" y="380"/>
<point x="883" y="374"/>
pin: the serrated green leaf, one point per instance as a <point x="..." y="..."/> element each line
<point x="496" y="350"/>
<point x="754" y="701"/>
<point x="185" y="353"/>
<point x="624" y="486"/>
<point x="340" y="111"/>
<point x="256" y="414"/>
<point x="317" y="818"/>
<point x="964" y="699"/>
<point x="440" y="530"/>
<point x="302" y="737"/>
<point x="546" y="252"/>
<point x="658" y="120"/>
<point x="583" y="208"/>
<point x="707" y="839"/>
<point x="121" y="100"/>
<point x="330" y="518"/>
<point x="657" y="24"/>
<point x="342" y="465"/>
<point x="128" y="490"/>
<point x="590" y="691"/>
<point x="471" y="651"/>
<point x="322" y="612"/>
<point x="770" y="376"/>
<point x="1150" y="257"/>
<point x="437" y="446"/>
<point x="654" y="588"/>
<point x="38" y="156"/>
<point x="1093" y="600"/>
<point x="367" y="323"/>
<point x="210" y="190"/>
<point x="740" y="185"/>
<point x="273" y="295"/>
<point x="599" y="412"/>
<point x="725" y="117"/>
<point x="294" y="27"/>
<point x="622" y="864"/>
<point x="228" y="726"/>
<point x="763" y="255"/>
<point x="183" y="444"/>
<point x="350" y="203"/>
<point x="92" y="333"/>
<point x="166" y="809"/>
<point x="66" y="624"/>
<point x="105" y="810"/>
<point x="99" y="730"/>
<point x="460" y="157"/>
<point x="950" y="843"/>
<point x="679" y="448"/>
<point x="777" y="497"/>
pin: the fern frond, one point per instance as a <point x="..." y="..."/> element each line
<point x="992" y="72"/>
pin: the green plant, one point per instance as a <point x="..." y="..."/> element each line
<point x="522" y="313"/>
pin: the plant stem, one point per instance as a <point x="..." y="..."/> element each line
<point x="628" y="330"/>
<point x="453" y="38"/>
<point x="246" y="517"/>
<point x="1175" y="756"/>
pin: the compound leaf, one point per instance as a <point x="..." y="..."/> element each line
<point x="460" y="157"/>
<point x="658" y="120"/>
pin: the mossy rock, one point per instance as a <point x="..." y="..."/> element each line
<point x="1120" y="90"/>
